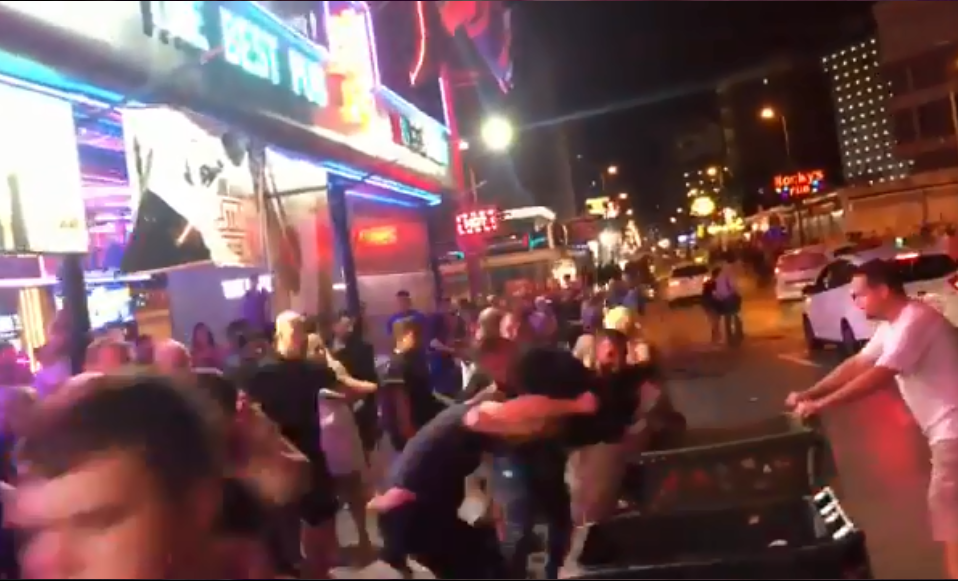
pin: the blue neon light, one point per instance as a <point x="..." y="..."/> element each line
<point x="351" y="173"/>
<point x="380" y="199"/>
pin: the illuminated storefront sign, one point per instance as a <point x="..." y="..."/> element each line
<point x="245" y="45"/>
<point x="234" y="60"/>
<point x="429" y="142"/>
<point x="602" y="206"/>
<point x="378" y="236"/>
<point x="353" y="61"/>
<point x="482" y="221"/>
<point x="801" y="183"/>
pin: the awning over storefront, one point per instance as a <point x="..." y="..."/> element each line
<point x="322" y="101"/>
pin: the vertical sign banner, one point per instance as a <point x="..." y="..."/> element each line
<point x="41" y="197"/>
<point x="194" y="192"/>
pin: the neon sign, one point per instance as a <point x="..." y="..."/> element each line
<point x="350" y="44"/>
<point x="802" y="183"/>
<point x="246" y="45"/>
<point x="378" y="236"/>
<point x="484" y="221"/>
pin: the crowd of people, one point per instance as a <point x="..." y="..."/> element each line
<point x="164" y="460"/>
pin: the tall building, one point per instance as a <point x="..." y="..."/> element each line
<point x="775" y="119"/>
<point x="918" y="48"/>
<point x="864" y="130"/>
<point x="699" y="155"/>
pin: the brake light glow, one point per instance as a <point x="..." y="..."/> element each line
<point x="777" y="270"/>
<point x="907" y="256"/>
<point x="673" y="282"/>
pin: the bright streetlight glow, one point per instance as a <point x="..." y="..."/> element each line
<point x="613" y="169"/>
<point x="463" y="145"/>
<point x="623" y="196"/>
<point x="497" y="133"/>
<point x="767" y="113"/>
<point x="672" y="219"/>
<point x="712" y="171"/>
<point x="702" y="206"/>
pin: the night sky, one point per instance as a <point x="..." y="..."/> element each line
<point x="642" y="68"/>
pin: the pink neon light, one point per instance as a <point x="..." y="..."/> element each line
<point x="421" y="58"/>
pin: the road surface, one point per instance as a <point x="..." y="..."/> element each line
<point x="882" y="459"/>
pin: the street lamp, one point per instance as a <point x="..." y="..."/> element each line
<point x="623" y="196"/>
<point x="712" y="171"/>
<point x="497" y="133"/>
<point x="613" y="170"/>
<point x="769" y="114"/>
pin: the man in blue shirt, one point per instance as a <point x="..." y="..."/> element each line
<point x="405" y="311"/>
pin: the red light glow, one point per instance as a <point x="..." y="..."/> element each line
<point x="484" y="221"/>
<point x="378" y="236"/>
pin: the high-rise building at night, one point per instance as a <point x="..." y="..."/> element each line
<point x="777" y="118"/>
<point x="698" y="154"/>
<point x="862" y="123"/>
<point x="918" y="48"/>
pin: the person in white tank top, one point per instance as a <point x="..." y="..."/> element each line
<point x="917" y="347"/>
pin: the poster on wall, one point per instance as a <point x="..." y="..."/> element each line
<point x="194" y="192"/>
<point x="41" y="202"/>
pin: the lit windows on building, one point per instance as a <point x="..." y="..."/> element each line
<point x="863" y="125"/>
<point x="708" y="180"/>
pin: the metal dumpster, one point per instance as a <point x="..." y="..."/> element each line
<point x="702" y="468"/>
<point x="802" y="538"/>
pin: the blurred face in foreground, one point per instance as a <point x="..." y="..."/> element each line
<point x="106" y="519"/>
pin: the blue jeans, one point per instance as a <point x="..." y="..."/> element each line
<point x="522" y="503"/>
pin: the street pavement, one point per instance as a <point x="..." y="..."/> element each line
<point x="882" y="459"/>
<point x="881" y="456"/>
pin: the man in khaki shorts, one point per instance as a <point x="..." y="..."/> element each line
<point x="916" y="346"/>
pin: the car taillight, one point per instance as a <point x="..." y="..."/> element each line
<point x="777" y="270"/>
<point x="907" y="256"/>
<point x="953" y="282"/>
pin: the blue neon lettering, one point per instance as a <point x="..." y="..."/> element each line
<point x="308" y="78"/>
<point x="250" y="47"/>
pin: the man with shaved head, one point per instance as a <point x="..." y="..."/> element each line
<point x="172" y="357"/>
<point x="287" y="388"/>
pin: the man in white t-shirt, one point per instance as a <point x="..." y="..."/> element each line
<point x="917" y="347"/>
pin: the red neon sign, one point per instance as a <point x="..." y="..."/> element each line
<point x="801" y="183"/>
<point x="378" y="236"/>
<point x="483" y="221"/>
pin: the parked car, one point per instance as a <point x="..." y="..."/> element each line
<point x="796" y="269"/>
<point x="831" y="316"/>
<point x="685" y="281"/>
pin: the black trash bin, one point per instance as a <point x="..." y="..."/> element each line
<point x="779" y="458"/>
<point x="788" y="539"/>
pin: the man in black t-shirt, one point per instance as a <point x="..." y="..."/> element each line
<point x="287" y="387"/>
<point x="406" y="396"/>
